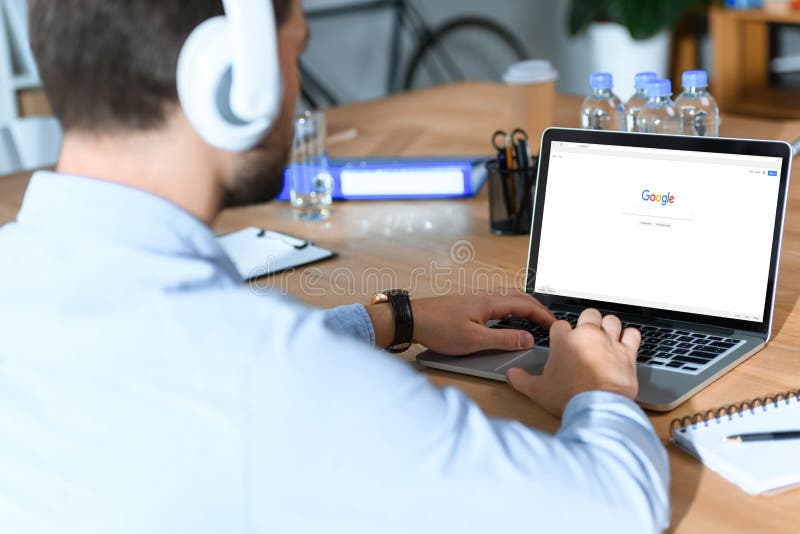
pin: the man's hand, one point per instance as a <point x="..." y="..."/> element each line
<point x="455" y="324"/>
<point x="596" y="355"/>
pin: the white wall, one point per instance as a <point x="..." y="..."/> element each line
<point x="350" y="53"/>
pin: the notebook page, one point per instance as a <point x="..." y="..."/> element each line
<point x="756" y="467"/>
<point x="257" y="253"/>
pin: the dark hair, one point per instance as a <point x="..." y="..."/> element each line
<point x="109" y="65"/>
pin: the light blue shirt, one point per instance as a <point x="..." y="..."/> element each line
<point x="145" y="388"/>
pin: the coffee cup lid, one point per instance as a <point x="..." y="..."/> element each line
<point x="530" y="71"/>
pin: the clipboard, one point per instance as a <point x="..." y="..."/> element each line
<point x="256" y="252"/>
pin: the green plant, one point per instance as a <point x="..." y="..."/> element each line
<point x="642" y="18"/>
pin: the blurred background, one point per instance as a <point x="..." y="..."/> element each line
<point x="351" y="52"/>
<point x="364" y="49"/>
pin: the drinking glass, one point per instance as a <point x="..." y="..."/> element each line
<point x="311" y="182"/>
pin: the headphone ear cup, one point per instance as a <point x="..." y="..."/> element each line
<point x="204" y="88"/>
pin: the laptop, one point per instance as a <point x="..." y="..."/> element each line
<point x="678" y="236"/>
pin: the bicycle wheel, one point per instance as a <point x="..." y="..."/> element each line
<point x="464" y="48"/>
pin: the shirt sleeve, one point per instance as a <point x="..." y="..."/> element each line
<point x="612" y="431"/>
<point x="351" y="320"/>
<point x="348" y="440"/>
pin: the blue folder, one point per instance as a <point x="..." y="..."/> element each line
<point x="402" y="178"/>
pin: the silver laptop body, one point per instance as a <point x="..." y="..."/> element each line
<point x="715" y="254"/>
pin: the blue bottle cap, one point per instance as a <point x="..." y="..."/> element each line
<point x="695" y="78"/>
<point x="601" y="80"/>
<point x="659" y="88"/>
<point x="641" y="80"/>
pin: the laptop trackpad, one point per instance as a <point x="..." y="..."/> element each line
<point x="488" y="364"/>
<point x="531" y="360"/>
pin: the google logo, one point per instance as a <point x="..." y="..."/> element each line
<point x="662" y="199"/>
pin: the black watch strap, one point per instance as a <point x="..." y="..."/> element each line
<point x="403" y="320"/>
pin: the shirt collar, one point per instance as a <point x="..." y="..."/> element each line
<point x="122" y="214"/>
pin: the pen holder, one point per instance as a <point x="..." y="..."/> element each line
<point x="510" y="198"/>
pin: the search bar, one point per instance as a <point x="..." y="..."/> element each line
<point x="659" y="213"/>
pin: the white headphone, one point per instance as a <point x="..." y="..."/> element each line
<point x="229" y="77"/>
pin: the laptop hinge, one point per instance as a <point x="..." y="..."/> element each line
<point x="751" y="333"/>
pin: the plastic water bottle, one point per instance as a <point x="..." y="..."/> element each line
<point x="697" y="108"/>
<point x="602" y="110"/>
<point x="659" y="115"/>
<point x="639" y="98"/>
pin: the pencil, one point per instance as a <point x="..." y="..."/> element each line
<point x="511" y="168"/>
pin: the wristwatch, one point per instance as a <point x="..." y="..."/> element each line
<point x="403" y="318"/>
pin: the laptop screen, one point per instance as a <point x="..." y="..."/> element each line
<point x="668" y="229"/>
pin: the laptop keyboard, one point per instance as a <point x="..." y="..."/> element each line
<point x="665" y="348"/>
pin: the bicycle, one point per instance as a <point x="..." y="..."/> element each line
<point x="432" y="61"/>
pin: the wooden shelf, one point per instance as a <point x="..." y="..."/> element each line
<point x="773" y="16"/>
<point x="741" y="49"/>
<point x="772" y="103"/>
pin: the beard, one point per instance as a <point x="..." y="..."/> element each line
<point x="258" y="176"/>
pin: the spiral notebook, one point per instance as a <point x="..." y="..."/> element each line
<point x="756" y="467"/>
<point x="256" y="252"/>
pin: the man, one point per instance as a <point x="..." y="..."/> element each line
<point x="143" y="388"/>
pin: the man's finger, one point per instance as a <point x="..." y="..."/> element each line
<point x="524" y="382"/>
<point x="612" y="326"/>
<point x="521" y="305"/>
<point x="590" y="316"/>
<point x="559" y="329"/>
<point x="502" y="339"/>
<point x="631" y="338"/>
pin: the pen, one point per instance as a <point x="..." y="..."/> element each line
<point x="510" y="177"/>
<point x="502" y="166"/>
<point x="340" y="137"/>
<point x="521" y="150"/>
<point x="502" y="161"/>
<point x="763" y="436"/>
<point x="527" y="184"/>
<point x="509" y="146"/>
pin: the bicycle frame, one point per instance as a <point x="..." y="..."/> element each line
<point x="406" y="16"/>
<point x="357" y="8"/>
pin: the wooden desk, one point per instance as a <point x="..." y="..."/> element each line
<point x="414" y="240"/>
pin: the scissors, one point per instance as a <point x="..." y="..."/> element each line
<point x="516" y="135"/>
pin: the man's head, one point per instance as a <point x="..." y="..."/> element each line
<point x="109" y="70"/>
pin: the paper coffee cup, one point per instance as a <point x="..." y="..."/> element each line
<point x="533" y="93"/>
